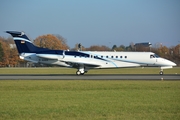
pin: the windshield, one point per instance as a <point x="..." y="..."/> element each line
<point x="156" y="55"/>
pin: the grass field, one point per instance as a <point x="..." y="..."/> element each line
<point x="60" y="70"/>
<point x="89" y="100"/>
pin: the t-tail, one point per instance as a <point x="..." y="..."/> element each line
<point x="24" y="44"/>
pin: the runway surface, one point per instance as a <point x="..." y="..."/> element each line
<point x="89" y="77"/>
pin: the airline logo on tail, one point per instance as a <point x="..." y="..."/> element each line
<point x="22" y="41"/>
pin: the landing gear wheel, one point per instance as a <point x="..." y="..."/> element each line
<point x="78" y="73"/>
<point x="161" y="72"/>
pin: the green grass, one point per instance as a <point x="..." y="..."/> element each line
<point x="89" y="100"/>
<point x="57" y="70"/>
<point x="53" y="99"/>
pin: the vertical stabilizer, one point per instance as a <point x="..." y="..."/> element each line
<point x="23" y="43"/>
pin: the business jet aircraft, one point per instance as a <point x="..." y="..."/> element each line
<point x="85" y="60"/>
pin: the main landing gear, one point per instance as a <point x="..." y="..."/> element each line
<point x="79" y="73"/>
<point x="81" y="70"/>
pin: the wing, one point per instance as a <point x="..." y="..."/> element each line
<point x="76" y="64"/>
<point x="72" y="63"/>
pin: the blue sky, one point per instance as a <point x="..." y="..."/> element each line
<point x="95" y="22"/>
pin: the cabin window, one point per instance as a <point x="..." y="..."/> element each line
<point x="120" y="56"/>
<point x="152" y="56"/>
<point x="125" y="56"/>
<point x="112" y="56"/>
<point x="75" y="56"/>
<point x="101" y="56"/>
<point x="116" y="56"/>
<point x="106" y="56"/>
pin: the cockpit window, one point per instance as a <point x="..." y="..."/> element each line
<point x="154" y="56"/>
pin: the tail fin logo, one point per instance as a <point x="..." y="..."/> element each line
<point x="22" y="41"/>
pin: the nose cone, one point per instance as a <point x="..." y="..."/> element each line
<point x="165" y="62"/>
<point x="170" y="63"/>
<point x="173" y="64"/>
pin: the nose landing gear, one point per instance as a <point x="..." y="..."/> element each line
<point x="161" y="72"/>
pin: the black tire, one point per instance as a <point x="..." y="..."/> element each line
<point x="161" y="72"/>
<point x="82" y="73"/>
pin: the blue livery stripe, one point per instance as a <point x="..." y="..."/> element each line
<point x="18" y="38"/>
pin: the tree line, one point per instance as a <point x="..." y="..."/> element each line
<point x="9" y="54"/>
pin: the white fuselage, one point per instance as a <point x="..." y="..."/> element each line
<point x="101" y="59"/>
<point x="85" y="60"/>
